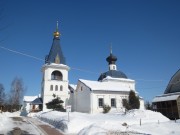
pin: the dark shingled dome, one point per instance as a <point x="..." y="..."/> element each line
<point x="174" y="84"/>
<point x="113" y="74"/>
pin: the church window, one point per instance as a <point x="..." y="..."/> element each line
<point x="56" y="88"/>
<point x="100" y="102"/>
<point x="51" y="87"/>
<point x="113" y="102"/>
<point x="56" y="75"/>
<point x="61" y="88"/>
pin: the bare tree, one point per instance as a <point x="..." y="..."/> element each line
<point x="2" y="94"/>
<point x="17" y="91"/>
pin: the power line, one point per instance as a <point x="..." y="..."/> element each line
<point x="150" y="80"/>
<point x="30" y="56"/>
<point x="24" y="54"/>
<point x="79" y="69"/>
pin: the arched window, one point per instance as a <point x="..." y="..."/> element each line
<point x="56" y="75"/>
<point x="61" y="88"/>
<point x="51" y="87"/>
<point x="56" y="88"/>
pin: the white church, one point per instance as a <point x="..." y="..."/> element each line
<point x="87" y="96"/>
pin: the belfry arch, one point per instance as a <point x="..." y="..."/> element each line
<point x="56" y="75"/>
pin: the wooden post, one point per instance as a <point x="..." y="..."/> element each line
<point x="68" y="117"/>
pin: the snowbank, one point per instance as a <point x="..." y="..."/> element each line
<point x="5" y="122"/>
<point x="54" y="118"/>
<point x="100" y="124"/>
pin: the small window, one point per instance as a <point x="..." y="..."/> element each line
<point x="51" y="87"/>
<point x="100" y="102"/>
<point x="113" y="102"/>
<point x="61" y="88"/>
<point x="56" y="88"/>
<point x="114" y="67"/>
<point x="81" y="88"/>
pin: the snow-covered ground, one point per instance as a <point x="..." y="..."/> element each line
<point x="7" y="124"/>
<point x="152" y="123"/>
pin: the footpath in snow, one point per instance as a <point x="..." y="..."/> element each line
<point x="12" y="123"/>
<point x="137" y="121"/>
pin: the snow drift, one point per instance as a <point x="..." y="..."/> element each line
<point x="93" y="124"/>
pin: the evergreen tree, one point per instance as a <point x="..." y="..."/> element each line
<point x="148" y="105"/>
<point x="55" y="104"/>
<point x="133" y="100"/>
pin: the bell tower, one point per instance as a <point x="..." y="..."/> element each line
<point x="55" y="73"/>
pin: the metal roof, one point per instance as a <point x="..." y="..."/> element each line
<point x="113" y="74"/>
<point x="174" y="84"/>
<point x="165" y="98"/>
<point x="55" y="51"/>
<point x="37" y="101"/>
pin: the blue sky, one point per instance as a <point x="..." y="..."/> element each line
<point x="145" y="37"/>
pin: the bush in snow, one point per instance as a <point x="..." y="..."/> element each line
<point x="106" y="108"/>
<point x="55" y="104"/>
<point x="125" y="104"/>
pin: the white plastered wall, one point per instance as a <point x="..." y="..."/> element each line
<point x="47" y="82"/>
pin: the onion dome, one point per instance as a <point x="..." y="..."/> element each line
<point x="174" y="84"/>
<point x="113" y="72"/>
<point x="111" y="59"/>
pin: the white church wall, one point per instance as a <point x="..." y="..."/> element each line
<point x="71" y="101"/>
<point x="107" y="96"/>
<point x="142" y="106"/>
<point x="82" y="98"/>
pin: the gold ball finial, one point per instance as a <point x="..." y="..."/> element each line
<point x="56" y="33"/>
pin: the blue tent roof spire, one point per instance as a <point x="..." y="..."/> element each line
<point x="57" y="33"/>
<point x="56" y="54"/>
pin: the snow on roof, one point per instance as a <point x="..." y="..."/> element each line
<point x="29" y="98"/>
<point x="109" y="78"/>
<point x="165" y="98"/>
<point x="105" y="85"/>
<point x="73" y="86"/>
